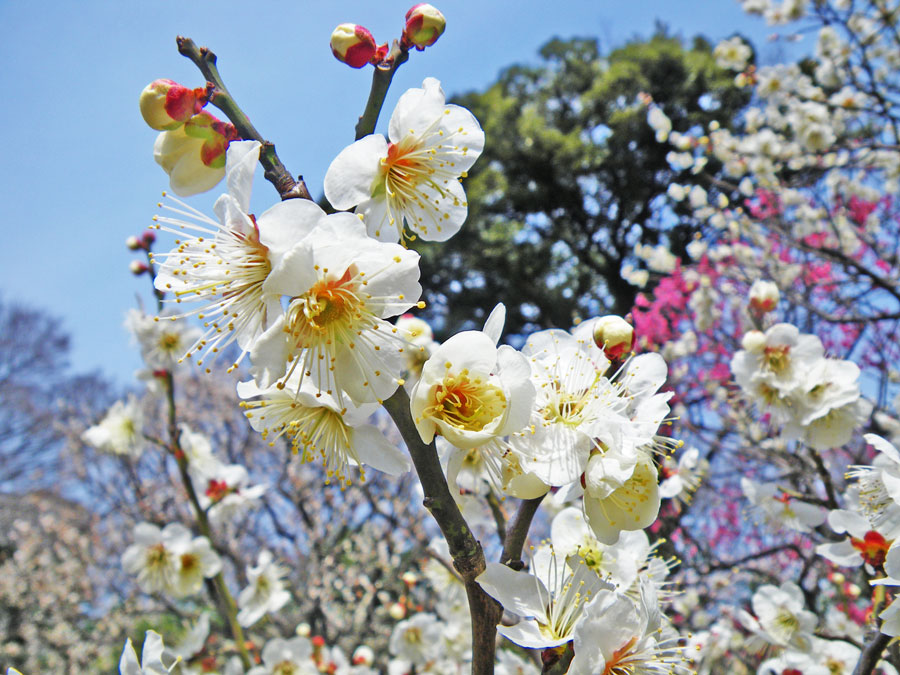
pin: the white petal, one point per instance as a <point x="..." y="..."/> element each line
<point x="376" y="451"/>
<point x="493" y="326"/>
<point x="349" y="179"/>
<point x="241" y="159"/>
<point x="519" y="592"/>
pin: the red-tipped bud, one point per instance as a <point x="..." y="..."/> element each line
<point x="354" y="45"/>
<point x="363" y="656"/>
<point x="133" y="243"/>
<point x="764" y="295"/>
<point x="194" y="155"/>
<point x="137" y="267"/>
<point x="166" y="105"/>
<point x="614" y="335"/>
<point x="148" y="238"/>
<point x="318" y="641"/>
<point x="424" y="25"/>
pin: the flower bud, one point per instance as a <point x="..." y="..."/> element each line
<point x="353" y="45"/>
<point x="194" y="155"/>
<point x="148" y="238"/>
<point x="137" y="267"/>
<point x="363" y="656"/>
<point x="424" y="25"/>
<point x="753" y="341"/>
<point x="397" y="611"/>
<point x="409" y="578"/>
<point x="133" y="243"/>
<point x="303" y="629"/>
<point x="614" y="335"/>
<point x="764" y="295"/>
<point x="167" y="105"/>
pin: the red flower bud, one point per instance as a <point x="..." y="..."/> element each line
<point x="424" y="25"/>
<point x="354" y="45"/>
<point x="167" y="105"/>
<point x="133" y="243"/>
<point x="614" y="336"/>
<point x="148" y="238"/>
<point x="137" y="267"/>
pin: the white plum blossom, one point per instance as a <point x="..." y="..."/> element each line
<point x="684" y="477"/>
<point x="224" y="490"/>
<point x="163" y="340"/>
<point x="265" y="592"/>
<point x="782" y="511"/>
<point x="617" y="563"/>
<point x="472" y="392"/>
<point x="221" y="265"/>
<point x="315" y="424"/>
<point x="120" y="432"/>
<point x="170" y="560"/>
<point x="620" y="635"/>
<point x="417" y="639"/>
<point x="286" y="657"/>
<point x="550" y="610"/>
<point x="413" y="177"/>
<point x="340" y="286"/>
<point x="780" y="616"/>
<point x="732" y="54"/>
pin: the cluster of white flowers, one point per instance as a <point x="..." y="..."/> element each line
<point x="605" y="598"/>
<point x="787" y="375"/>
<point x="170" y="560"/>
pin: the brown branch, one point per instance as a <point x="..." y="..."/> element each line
<point x="275" y="171"/>
<point x="468" y="556"/>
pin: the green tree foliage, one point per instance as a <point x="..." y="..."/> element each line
<point x="569" y="180"/>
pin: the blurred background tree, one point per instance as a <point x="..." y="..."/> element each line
<point x="570" y="179"/>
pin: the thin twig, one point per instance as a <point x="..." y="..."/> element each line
<point x="275" y="171"/>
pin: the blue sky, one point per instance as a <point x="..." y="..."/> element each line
<point x="79" y="176"/>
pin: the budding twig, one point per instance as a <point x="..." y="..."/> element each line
<point x="381" y="81"/>
<point x="217" y="92"/>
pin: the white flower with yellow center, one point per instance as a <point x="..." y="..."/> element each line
<point x="170" y="560"/>
<point x="120" y="430"/>
<point x="619" y="635"/>
<point x="618" y="563"/>
<point x="413" y="177"/>
<point x="286" y="657"/>
<point x="163" y="341"/>
<point x="316" y="425"/>
<point x="611" y="507"/>
<point x="221" y="265"/>
<point x="551" y="601"/>
<point x="472" y="392"/>
<point x="340" y="286"/>
<point x="265" y="591"/>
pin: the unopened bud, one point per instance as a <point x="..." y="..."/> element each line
<point x="409" y="578"/>
<point x="166" y="105"/>
<point x="397" y="611"/>
<point x="363" y="656"/>
<point x="137" y="267"/>
<point x="194" y="155"/>
<point x="424" y="25"/>
<point x="353" y="45"/>
<point x="133" y="243"/>
<point x="303" y="629"/>
<point x="318" y="641"/>
<point x="614" y="335"/>
<point x="148" y="238"/>
<point x="753" y="341"/>
<point x="764" y="295"/>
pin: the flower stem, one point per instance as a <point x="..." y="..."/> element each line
<point x="225" y="601"/>
<point x="275" y="171"/>
<point x="381" y="82"/>
<point x="468" y="557"/>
